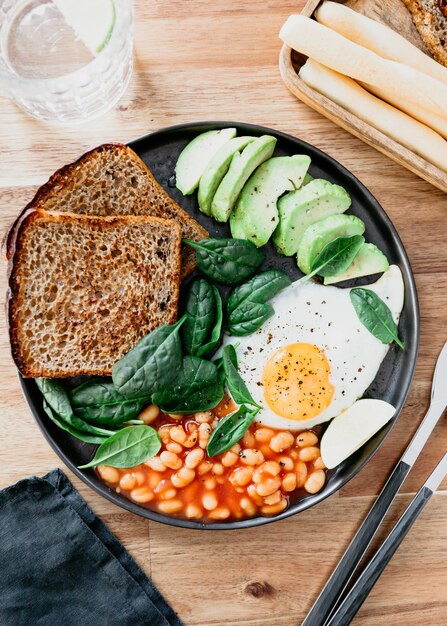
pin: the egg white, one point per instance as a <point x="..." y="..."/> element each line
<point x="323" y="316"/>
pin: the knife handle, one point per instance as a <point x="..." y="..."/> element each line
<point x="331" y="593"/>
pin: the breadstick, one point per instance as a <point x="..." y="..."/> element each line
<point x="338" y="53"/>
<point x="390" y="121"/>
<point x="377" y="37"/>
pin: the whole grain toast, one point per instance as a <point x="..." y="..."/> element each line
<point x="112" y="180"/>
<point x="84" y="290"/>
<point x="430" y="18"/>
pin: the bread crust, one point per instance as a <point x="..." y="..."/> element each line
<point x="425" y="20"/>
<point x="16" y="249"/>
<point x="65" y="178"/>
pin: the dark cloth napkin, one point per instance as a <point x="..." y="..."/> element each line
<point x="61" y="566"/>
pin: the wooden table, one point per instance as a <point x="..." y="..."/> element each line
<point x="201" y="60"/>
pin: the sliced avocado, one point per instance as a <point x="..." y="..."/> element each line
<point x="196" y="155"/>
<point x="241" y="168"/>
<point x="255" y="215"/>
<point x="368" y="260"/>
<point x="299" y="209"/>
<point x="216" y="170"/>
<point x="318" y="235"/>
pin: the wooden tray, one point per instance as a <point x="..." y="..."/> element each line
<point x="394" y="14"/>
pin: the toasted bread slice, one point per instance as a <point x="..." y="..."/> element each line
<point x="430" y="18"/>
<point x="84" y="290"/>
<point x="113" y="180"/>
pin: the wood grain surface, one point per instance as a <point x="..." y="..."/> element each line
<point x="201" y="60"/>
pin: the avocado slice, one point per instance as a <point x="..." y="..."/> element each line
<point x="196" y="155"/>
<point x="216" y="170"/>
<point x="368" y="260"/>
<point x="318" y="235"/>
<point x="241" y="168"/>
<point x="299" y="209"/>
<point x="255" y="215"/>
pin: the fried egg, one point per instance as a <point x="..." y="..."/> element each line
<point x="314" y="358"/>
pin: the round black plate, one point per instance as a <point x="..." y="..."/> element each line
<point x="159" y="151"/>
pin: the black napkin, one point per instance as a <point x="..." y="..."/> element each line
<point x="60" y="565"/>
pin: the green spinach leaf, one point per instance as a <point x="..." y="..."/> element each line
<point x="153" y="364"/>
<point x="246" y="309"/>
<point x="57" y="399"/>
<point x="86" y="437"/>
<point x="375" y="315"/>
<point x="228" y="261"/>
<point x="214" y="339"/>
<point x="236" y="385"/>
<point x="336" y="257"/>
<point x="197" y="387"/>
<point x="127" y="447"/>
<point x="200" y="310"/>
<point x="98" y="402"/>
<point x="230" y="430"/>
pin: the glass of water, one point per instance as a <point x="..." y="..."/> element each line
<point x="65" y="60"/>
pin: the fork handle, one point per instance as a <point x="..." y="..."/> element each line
<point x="331" y="593"/>
<point x="366" y="581"/>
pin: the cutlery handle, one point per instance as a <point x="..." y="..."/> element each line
<point x="325" y="603"/>
<point x="359" y="592"/>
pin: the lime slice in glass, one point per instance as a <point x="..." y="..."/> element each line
<point x="92" y="21"/>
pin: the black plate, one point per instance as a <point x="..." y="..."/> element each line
<point x="160" y="151"/>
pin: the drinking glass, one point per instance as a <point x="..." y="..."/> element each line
<point x="49" y="70"/>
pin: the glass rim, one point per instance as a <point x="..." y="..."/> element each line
<point x="123" y="14"/>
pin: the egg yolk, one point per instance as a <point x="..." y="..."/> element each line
<point x="296" y="382"/>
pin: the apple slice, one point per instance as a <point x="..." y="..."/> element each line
<point x="351" y="429"/>
<point x="196" y="155"/>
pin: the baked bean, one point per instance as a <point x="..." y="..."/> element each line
<point x="210" y="483"/>
<point x="142" y="495"/>
<point x="139" y="477"/>
<point x="248" y="440"/>
<point x="203" y="418"/>
<point x="273" y="498"/>
<point x="154" y="480"/>
<point x="204" y="468"/>
<point x="218" y="469"/>
<point x="170" y="506"/>
<point x="109" y="474"/>
<point x="301" y="473"/>
<point x="269" y="467"/>
<point x="268" y="486"/>
<point x="251" y="457"/>
<point x="315" y="481"/>
<point x="171" y="460"/>
<point x="289" y="482"/>
<point x="311" y="453"/>
<point x="164" y="435"/>
<point x="229" y="458"/>
<point x="241" y="476"/>
<point x="177" y="434"/>
<point x="273" y="509"/>
<point x="193" y="512"/>
<point x="319" y="464"/>
<point x="149" y="414"/>
<point x="286" y="463"/>
<point x="248" y="506"/>
<point x="163" y="485"/>
<point x="156" y="464"/>
<point x="183" y="477"/>
<point x="263" y="435"/>
<point x="294" y="454"/>
<point x="191" y="440"/>
<point x="168" y="494"/>
<point x="254" y="495"/>
<point x="282" y="441"/>
<point x="194" y="457"/>
<point x="175" y="416"/>
<point x="127" y="482"/>
<point x="220" y="513"/>
<point x="209" y="501"/>
<point x="174" y="447"/>
<point x="307" y="438"/>
<point x="204" y="434"/>
<point x="236" y="448"/>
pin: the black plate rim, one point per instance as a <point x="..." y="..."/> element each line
<point x="308" y="501"/>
